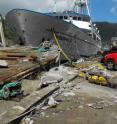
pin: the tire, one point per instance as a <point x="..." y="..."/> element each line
<point x="110" y="65"/>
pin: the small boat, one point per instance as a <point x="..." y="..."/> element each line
<point x="76" y="33"/>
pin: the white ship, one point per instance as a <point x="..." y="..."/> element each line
<point x="74" y="29"/>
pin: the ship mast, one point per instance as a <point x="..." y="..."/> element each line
<point x="55" y="8"/>
<point x="81" y="6"/>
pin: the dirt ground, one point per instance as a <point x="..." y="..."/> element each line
<point x="90" y="104"/>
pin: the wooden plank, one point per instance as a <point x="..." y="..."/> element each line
<point x="16" y="68"/>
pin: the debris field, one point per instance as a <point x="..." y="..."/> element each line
<point x="35" y="88"/>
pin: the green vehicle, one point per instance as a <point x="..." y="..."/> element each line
<point x="10" y="89"/>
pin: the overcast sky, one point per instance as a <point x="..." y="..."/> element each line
<point x="36" y="5"/>
<point x="102" y="10"/>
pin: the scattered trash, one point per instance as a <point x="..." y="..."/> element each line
<point x="49" y="79"/>
<point x="24" y="60"/>
<point x="47" y="116"/>
<point x="52" y="102"/>
<point x="81" y="107"/>
<point x="3" y="63"/>
<point x="95" y="106"/>
<point x="45" y="107"/>
<point x="42" y="114"/>
<point x="82" y="74"/>
<point x="98" y="80"/>
<point x="80" y="60"/>
<point x="27" y="120"/>
<point x="100" y="72"/>
<point x="95" y="73"/>
<point x="101" y="104"/>
<point x="61" y="111"/>
<point x="68" y="94"/>
<point x="90" y="104"/>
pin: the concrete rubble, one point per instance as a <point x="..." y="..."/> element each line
<point x="59" y="94"/>
<point x="27" y="121"/>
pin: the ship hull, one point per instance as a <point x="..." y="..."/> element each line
<point x="32" y="27"/>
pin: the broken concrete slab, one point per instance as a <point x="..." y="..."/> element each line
<point x="63" y="71"/>
<point x="49" y="79"/>
<point x="29" y="86"/>
<point x="27" y="103"/>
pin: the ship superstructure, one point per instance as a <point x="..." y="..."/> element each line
<point x="79" y="15"/>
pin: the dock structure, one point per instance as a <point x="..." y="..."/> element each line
<point x="2" y="37"/>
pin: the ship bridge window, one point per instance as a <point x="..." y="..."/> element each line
<point x="94" y="36"/>
<point x="79" y="18"/>
<point x="74" y="18"/>
<point x="61" y="17"/>
<point x="65" y="17"/>
<point x="57" y="17"/>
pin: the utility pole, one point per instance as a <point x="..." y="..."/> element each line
<point x="55" y="8"/>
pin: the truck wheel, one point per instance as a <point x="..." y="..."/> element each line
<point x="110" y="65"/>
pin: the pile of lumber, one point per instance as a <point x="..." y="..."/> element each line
<point x="22" y="62"/>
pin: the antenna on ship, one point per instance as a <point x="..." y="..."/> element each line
<point x="79" y="6"/>
<point x="88" y="10"/>
<point x="82" y="7"/>
<point x="55" y="10"/>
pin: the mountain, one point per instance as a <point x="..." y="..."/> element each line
<point x="107" y="31"/>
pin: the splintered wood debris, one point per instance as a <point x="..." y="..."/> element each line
<point x="22" y="62"/>
<point x="17" y="64"/>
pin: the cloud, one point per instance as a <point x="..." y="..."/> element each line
<point x="113" y="9"/>
<point x="35" y="5"/>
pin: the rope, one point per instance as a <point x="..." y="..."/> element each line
<point x="64" y="54"/>
<point x="59" y="46"/>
